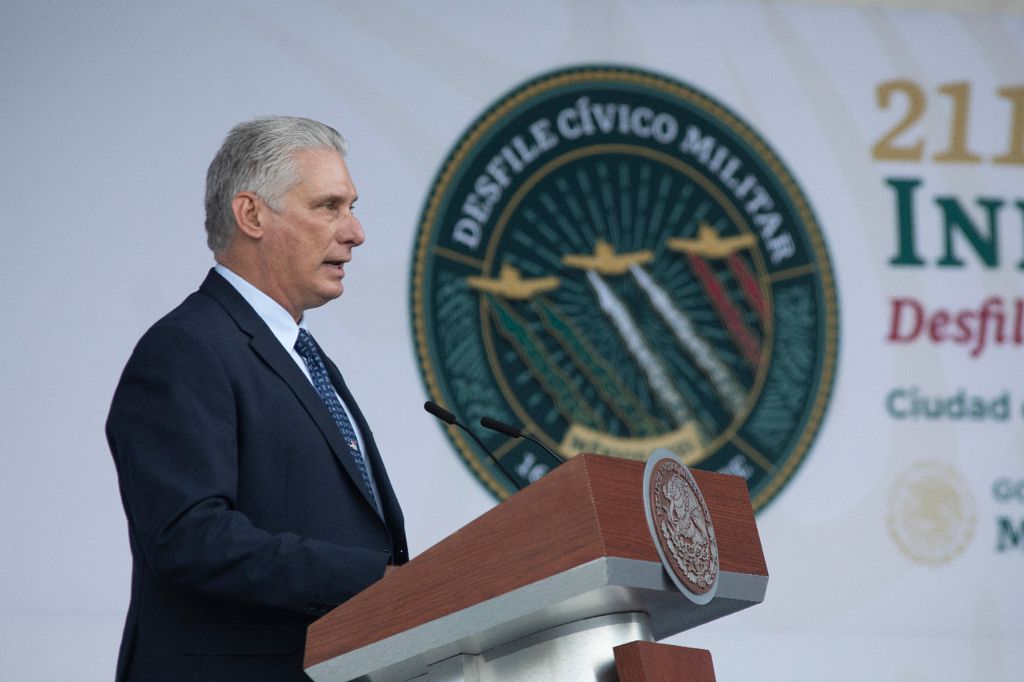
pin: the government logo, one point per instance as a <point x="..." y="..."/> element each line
<point x="618" y="263"/>
<point x="681" y="527"/>
<point x="931" y="514"/>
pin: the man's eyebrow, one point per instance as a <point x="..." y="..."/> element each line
<point x="337" y="198"/>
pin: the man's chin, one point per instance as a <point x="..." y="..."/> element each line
<point x="331" y="292"/>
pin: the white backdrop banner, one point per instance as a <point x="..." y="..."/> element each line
<point x="784" y="240"/>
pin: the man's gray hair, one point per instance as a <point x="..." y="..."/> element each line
<point x="259" y="156"/>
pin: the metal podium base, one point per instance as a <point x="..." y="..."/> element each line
<point x="523" y="630"/>
<point x="575" y="652"/>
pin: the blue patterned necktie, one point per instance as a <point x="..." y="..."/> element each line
<point x="306" y="347"/>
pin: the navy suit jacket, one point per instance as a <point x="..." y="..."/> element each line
<point x="247" y="517"/>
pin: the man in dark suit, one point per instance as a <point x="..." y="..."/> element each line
<point x="255" y="496"/>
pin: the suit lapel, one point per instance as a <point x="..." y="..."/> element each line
<point x="265" y="344"/>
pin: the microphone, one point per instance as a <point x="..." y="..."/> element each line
<point x="449" y="418"/>
<point x="515" y="432"/>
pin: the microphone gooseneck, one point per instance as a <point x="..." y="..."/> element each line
<point x="449" y="418"/>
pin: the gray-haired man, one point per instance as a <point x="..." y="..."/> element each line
<point x="255" y="496"/>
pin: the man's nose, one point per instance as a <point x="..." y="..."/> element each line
<point x="351" y="232"/>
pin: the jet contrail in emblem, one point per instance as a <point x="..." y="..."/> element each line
<point x="699" y="349"/>
<point x="710" y="246"/>
<point x="601" y="374"/>
<point x="512" y="286"/>
<point x="605" y="261"/>
<point x="650" y="364"/>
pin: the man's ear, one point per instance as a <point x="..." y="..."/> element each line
<point x="247" y="208"/>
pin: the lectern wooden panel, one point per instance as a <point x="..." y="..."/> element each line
<point x="646" y="661"/>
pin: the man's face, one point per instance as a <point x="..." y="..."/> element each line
<point x="306" y="244"/>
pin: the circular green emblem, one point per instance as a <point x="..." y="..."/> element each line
<point x="617" y="263"/>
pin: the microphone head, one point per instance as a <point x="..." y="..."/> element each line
<point x="500" y="427"/>
<point x="439" y="412"/>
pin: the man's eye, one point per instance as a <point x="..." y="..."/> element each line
<point x="331" y="205"/>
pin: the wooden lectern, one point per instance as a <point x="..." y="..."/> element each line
<point x="561" y="581"/>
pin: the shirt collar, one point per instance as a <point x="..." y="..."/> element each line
<point x="280" y="321"/>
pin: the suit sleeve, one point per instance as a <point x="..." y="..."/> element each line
<point x="172" y="429"/>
